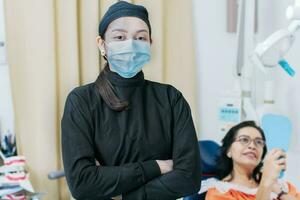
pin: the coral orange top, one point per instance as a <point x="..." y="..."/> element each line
<point x="219" y="190"/>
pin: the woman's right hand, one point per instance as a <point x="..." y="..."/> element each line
<point x="165" y="166"/>
<point x="274" y="163"/>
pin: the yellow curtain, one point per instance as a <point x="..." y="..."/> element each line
<point x="51" y="49"/>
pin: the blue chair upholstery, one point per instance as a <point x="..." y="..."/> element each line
<point x="209" y="150"/>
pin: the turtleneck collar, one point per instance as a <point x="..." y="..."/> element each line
<point x="118" y="80"/>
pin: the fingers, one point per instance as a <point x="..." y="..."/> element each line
<point x="279" y="154"/>
<point x="280" y="160"/>
<point x="281" y="163"/>
<point x="274" y="162"/>
<point x="275" y="150"/>
<point x="276" y="154"/>
<point x="170" y="163"/>
<point x="165" y="165"/>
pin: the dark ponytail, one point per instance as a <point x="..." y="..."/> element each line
<point x="107" y="92"/>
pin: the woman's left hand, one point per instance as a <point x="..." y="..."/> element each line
<point x="165" y="166"/>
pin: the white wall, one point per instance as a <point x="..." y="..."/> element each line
<point x="6" y="107"/>
<point x="216" y="54"/>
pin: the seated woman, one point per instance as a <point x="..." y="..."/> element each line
<point x="246" y="170"/>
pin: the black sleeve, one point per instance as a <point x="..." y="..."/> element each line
<point x="185" y="179"/>
<point x="84" y="178"/>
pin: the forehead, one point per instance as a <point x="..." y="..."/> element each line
<point x="249" y="131"/>
<point x="128" y="24"/>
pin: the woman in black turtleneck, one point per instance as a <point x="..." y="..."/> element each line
<point x="140" y="133"/>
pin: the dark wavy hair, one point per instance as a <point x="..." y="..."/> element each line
<point x="225" y="164"/>
<point x="107" y="92"/>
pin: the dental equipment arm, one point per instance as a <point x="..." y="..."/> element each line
<point x="244" y="67"/>
<point x="271" y="52"/>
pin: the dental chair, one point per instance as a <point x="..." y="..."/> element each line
<point x="209" y="150"/>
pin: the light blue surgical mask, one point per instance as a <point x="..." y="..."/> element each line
<point x="128" y="57"/>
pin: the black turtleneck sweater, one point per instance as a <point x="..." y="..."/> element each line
<point x="157" y="126"/>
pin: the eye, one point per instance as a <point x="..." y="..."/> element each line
<point x="119" y="37"/>
<point x="244" y="140"/>
<point x="142" y="38"/>
<point x="260" y="142"/>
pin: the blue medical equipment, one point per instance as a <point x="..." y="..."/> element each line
<point x="287" y="67"/>
<point x="278" y="132"/>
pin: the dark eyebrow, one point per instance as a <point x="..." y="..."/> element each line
<point x="250" y="137"/>
<point x="242" y="136"/>
<point x="143" y="30"/>
<point x="123" y="30"/>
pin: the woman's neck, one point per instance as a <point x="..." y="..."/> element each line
<point x="241" y="176"/>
